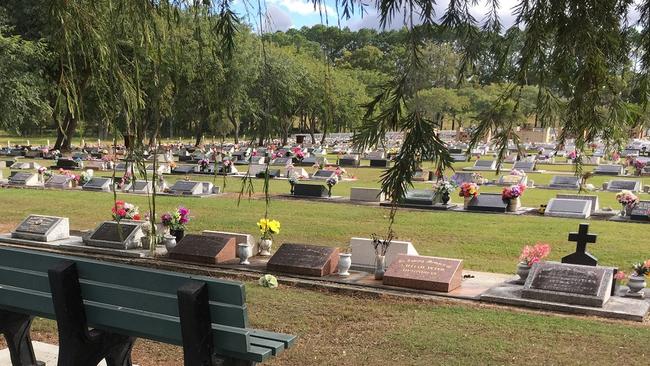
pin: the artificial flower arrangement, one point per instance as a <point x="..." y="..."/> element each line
<point x="638" y="166"/>
<point x="203" y="164"/>
<point x="331" y="182"/>
<point x="268" y="228"/>
<point x="86" y="176"/>
<point x="511" y="192"/>
<point x="627" y="198"/>
<point x="125" y="211"/>
<point x="70" y="175"/>
<point x="478" y="179"/>
<point x="125" y="180"/>
<point x="642" y="268"/>
<point x="44" y="172"/>
<point x="533" y="254"/>
<point x="445" y="187"/>
<point x="572" y="155"/>
<point x="468" y="190"/>
<point x="268" y="281"/>
<point x="297" y="152"/>
<point x="519" y="173"/>
<point x="620" y="276"/>
<point x="177" y="220"/>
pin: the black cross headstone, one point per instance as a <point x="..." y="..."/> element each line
<point x="581" y="256"/>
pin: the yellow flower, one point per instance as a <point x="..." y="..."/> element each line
<point x="274" y="226"/>
<point x="267" y="226"/>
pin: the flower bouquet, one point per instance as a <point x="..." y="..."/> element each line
<point x="176" y="221"/>
<point x="468" y="191"/>
<point x="444" y="189"/>
<point x="85" y="177"/>
<point x="331" y="182"/>
<point x="512" y="194"/>
<point x="638" y="166"/>
<point x="642" y="268"/>
<point x="203" y="164"/>
<point x="529" y="256"/>
<point x="267" y="228"/>
<point x="628" y="200"/>
<point x="636" y="282"/>
<point x="125" y="211"/>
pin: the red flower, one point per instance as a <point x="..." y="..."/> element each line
<point x="121" y="212"/>
<point x="136" y="217"/>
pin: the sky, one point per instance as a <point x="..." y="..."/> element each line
<point x="284" y="14"/>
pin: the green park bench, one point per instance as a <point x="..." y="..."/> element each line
<point x="119" y="303"/>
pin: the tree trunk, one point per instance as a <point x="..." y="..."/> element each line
<point x="235" y="123"/>
<point x="312" y="128"/>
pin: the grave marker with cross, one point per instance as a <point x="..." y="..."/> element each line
<point x="581" y="256"/>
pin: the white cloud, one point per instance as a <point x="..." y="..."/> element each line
<point x="303" y="7"/>
<point x="277" y="20"/>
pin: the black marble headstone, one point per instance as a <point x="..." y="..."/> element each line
<point x="112" y="232"/>
<point x="641" y="211"/>
<point x="310" y="190"/>
<point x="488" y="202"/>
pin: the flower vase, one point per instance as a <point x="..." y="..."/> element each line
<point x="265" y="247"/>
<point x="466" y="202"/>
<point x="636" y="284"/>
<point x="244" y="251"/>
<point x="345" y="261"/>
<point x="178" y="234"/>
<point x="329" y="191"/>
<point x="380" y="267"/>
<point x="514" y="204"/>
<point x="145" y="242"/>
<point x="169" y="241"/>
<point x="445" y="198"/>
<point x="522" y="270"/>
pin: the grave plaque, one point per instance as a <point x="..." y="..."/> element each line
<point x="59" y="181"/>
<point x="423" y="197"/>
<point x="303" y="259"/>
<point x="43" y="228"/>
<point x="569" y="283"/>
<point x="349" y="160"/>
<point x="184" y="169"/>
<point x="281" y="162"/>
<point x="425" y="273"/>
<point x="641" y="211"/>
<point x="620" y="185"/>
<point x="366" y="194"/>
<point x="462" y="177"/>
<point x="458" y="157"/>
<point x="68" y="164"/>
<point x="485" y="165"/>
<point x="509" y="180"/>
<point x="423" y="176"/>
<point x="572" y="208"/>
<point x="141" y="186"/>
<point x="609" y="169"/>
<point x="488" y="202"/>
<point x="310" y="190"/>
<point x="23" y="179"/>
<point x="110" y="234"/>
<point x="565" y="182"/>
<point x="595" y="202"/>
<point x="186" y="187"/>
<point x="323" y="174"/>
<point x="211" y="249"/>
<point x="526" y="166"/>
<point x="379" y="163"/>
<point x="98" y="184"/>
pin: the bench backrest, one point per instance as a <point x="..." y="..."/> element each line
<point x="125" y="299"/>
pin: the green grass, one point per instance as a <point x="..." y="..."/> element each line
<point x="486" y="242"/>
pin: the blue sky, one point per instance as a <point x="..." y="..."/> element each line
<point x="285" y="14"/>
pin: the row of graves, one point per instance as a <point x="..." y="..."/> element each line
<point x="577" y="284"/>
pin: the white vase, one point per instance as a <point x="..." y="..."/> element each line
<point x="169" y="241"/>
<point x="265" y="247"/>
<point x="345" y="261"/>
<point x="244" y="251"/>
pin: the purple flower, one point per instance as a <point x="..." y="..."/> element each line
<point x="183" y="220"/>
<point x="183" y="211"/>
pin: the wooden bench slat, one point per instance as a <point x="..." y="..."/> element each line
<point x="255" y="353"/>
<point x="125" y="321"/>
<point x="275" y="346"/>
<point x="287" y="339"/>
<point x="219" y="290"/>
<point x="134" y="298"/>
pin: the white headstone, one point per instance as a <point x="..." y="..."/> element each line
<point x="366" y="194"/>
<point x="363" y="253"/>
<point x="562" y="207"/>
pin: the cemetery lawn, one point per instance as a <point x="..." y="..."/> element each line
<point x="336" y="329"/>
<point x="486" y="242"/>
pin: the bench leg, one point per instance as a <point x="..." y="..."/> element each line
<point x="79" y="346"/>
<point x="15" y="328"/>
<point x="194" y="313"/>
